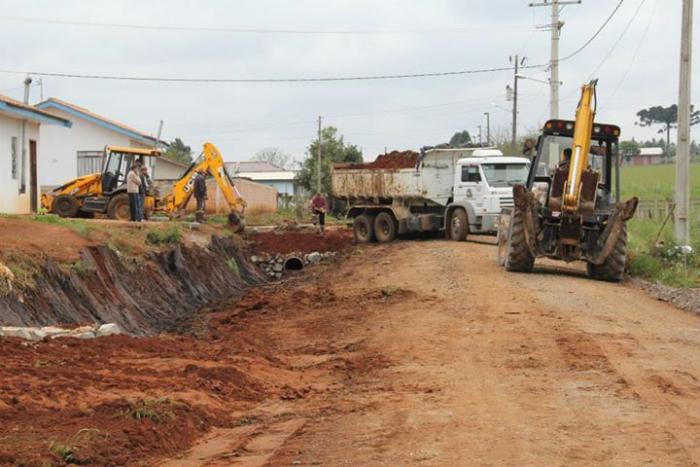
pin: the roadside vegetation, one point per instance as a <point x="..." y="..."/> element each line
<point x="650" y="182"/>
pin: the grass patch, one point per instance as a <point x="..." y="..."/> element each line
<point x="78" y="226"/>
<point x="168" y="236"/>
<point x="650" y="182"/>
<point x="662" y="261"/>
<point x="155" y="410"/>
<point x="233" y="265"/>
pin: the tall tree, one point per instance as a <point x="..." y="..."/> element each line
<point x="461" y="137"/>
<point x="274" y="156"/>
<point x="666" y="116"/>
<point x="179" y="152"/>
<point x="333" y="150"/>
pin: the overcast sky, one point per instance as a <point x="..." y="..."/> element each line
<point x="641" y="71"/>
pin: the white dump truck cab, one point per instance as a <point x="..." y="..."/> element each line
<point x="483" y="185"/>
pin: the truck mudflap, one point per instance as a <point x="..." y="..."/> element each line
<point x="608" y="239"/>
<point x="525" y="201"/>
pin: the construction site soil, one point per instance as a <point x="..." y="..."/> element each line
<point x="393" y="355"/>
<point x="301" y="241"/>
<point x="392" y="160"/>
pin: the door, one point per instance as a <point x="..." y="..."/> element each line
<point x="33" y="183"/>
<point x="469" y="185"/>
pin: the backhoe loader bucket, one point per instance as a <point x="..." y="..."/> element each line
<point x="236" y="222"/>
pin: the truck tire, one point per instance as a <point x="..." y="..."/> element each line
<point x="613" y="269"/>
<point x="363" y="228"/>
<point x="385" y="227"/>
<point x="118" y="207"/>
<point x="65" y="206"/>
<point x="459" y="228"/>
<point x="519" y="257"/>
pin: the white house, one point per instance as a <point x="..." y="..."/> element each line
<point x="267" y="174"/>
<point x="20" y="167"/>
<point x="72" y="152"/>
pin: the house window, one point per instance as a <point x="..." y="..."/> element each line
<point x="15" y="161"/>
<point x="470" y="173"/>
<point x="90" y="162"/>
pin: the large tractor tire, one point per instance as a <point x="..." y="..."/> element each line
<point x="613" y="269"/>
<point x="118" y="207"/>
<point x="519" y="257"/>
<point x="459" y="227"/>
<point x="385" y="227"/>
<point x="502" y="237"/>
<point x="363" y="228"/>
<point x="65" y="206"/>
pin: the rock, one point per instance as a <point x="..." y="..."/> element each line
<point x="315" y="257"/>
<point x="278" y="275"/>
<point x="108" y="329"/>
<point x="83" y="335"/>
<point x="278" y="267"/>
<point x="254" y="259"/>
<point x="22" y="333"/>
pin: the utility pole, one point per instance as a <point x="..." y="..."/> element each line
<point x="682" y="226"/>
<point x="318" y="158"/>
<point x="555" y="27"/>
<point x="23" y="165"/>
<point x="514" y="141"/>
<point x="479" y="127"/>
<point x="488" y="128"/>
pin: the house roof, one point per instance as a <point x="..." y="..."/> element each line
<point x="285" y="175"/>
<point x="254" y="166"/>
<point x="260" y="171"/>
<point x="23" y="111"/>
<point x="650" y="152"/>
<point x="81" y="112"/>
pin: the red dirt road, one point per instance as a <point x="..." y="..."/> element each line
<point x="415" y="352"/>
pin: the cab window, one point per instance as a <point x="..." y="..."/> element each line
<point x="470" y="173"/>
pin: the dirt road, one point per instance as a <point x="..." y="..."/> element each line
<point x="419" y="352"/>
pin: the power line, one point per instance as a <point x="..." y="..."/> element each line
<point x="261" y="80"/>
<point x="459" y="30"/>
<point x="600" y="29"/>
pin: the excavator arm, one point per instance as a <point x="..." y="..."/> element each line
<point x="585" y="115"/>
<point x="211" y="162"/>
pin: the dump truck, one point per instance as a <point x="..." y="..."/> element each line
<point x="569" y="209"/>
<point x="455" y="190"/>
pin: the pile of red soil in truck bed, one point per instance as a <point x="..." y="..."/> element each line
<point x="392" y="160"/>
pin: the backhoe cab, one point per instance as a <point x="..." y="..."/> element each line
<point x="567" y="210"/>
<point x="103" y="193"/>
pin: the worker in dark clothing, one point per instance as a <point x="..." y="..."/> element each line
<point x="143" y="191"/>
<point x="565" y="159"/>
<point x="200" y="194"/>
<point x="318" y="208"/>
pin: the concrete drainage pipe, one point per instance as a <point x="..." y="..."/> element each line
<point x="293" y="263"/>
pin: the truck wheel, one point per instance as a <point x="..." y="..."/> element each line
<point x="363" y="228"/>
<point x="519" y="257"/>
<point x="385" y="227"/>
<point x="613" y="269"/>
<point x="118" y="207"/>
<point x="458" y="225"/>
<point x="65" y="206"/>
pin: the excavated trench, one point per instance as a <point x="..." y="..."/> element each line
<point x="144" y="297"/>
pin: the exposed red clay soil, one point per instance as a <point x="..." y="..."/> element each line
<point x="392" y="160"/>
<point x="303" y="242"/>
<point x="26" y="237"/>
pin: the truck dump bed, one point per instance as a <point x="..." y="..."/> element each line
<point x="392" y="175"/>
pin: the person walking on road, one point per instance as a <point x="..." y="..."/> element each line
<point x="133" y="184"/>
<point x="318" y="208"/>
<point x="200" y="194"/>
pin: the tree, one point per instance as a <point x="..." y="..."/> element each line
<point x="274" y="156"/>
<point x="179" y="152"/>
<point x="666" y="116"/>
<point x="461" y="137"/>
<point x="333" y="150"/>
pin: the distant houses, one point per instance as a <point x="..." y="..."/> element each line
<point x="644" y="156"/>
<point x="283" y="180"/>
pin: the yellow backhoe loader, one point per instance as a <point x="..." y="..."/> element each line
<point x="105" y="193"/>
<point x="567" y="210"/>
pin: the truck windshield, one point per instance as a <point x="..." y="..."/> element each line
<point x="504" y="175"/>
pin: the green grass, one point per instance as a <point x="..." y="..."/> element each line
<point x="660" y="261"/>
<point x="79" y="226"/>
<point x="649" y="182"/>
<point x="170" y="235"/>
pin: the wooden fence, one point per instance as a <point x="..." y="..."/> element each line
<point x="658" y="209"/>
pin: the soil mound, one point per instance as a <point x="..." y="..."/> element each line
<point x="284" y="242"/>
<point x="392" y="160"/>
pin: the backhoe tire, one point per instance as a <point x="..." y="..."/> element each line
<point x="363" y="228"/>
<point x="613" y="269"/>
<point x="519" y="257"/>
<point x="459" y="226"/>
<point x="118" y="207"/>
<point x="65" y="206"/>
<point x="385" y="227"/>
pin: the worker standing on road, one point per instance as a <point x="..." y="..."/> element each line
<point x="133" y="184"/>
<point x="318" y="208"/>
<point x="143" y="191"/>
<point x="200" y="194"/>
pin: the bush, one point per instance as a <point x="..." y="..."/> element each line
<point x="168" y="236"/>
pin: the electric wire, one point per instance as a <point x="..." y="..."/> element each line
<point x="592" y="38"/>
